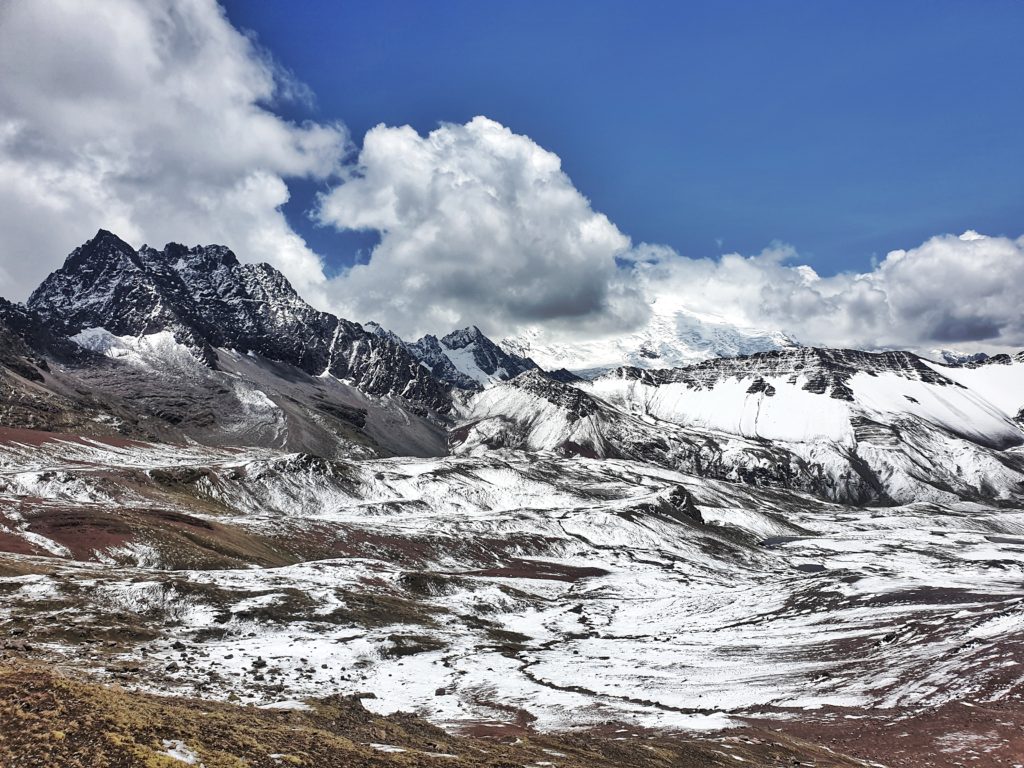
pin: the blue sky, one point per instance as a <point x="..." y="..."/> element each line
<point x="845" y="129"/>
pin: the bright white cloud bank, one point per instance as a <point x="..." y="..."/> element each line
<point x="148" y="118"/>
<point x="949" y="291"/>
<point x="478" y="225"/>
<point x="154" y="119"/>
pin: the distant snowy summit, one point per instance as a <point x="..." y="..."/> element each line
<point x="673" y="336"/>
<point x="953" y="357"/>
<point x="465" y="359"/>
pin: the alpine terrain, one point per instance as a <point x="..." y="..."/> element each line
<point x="699" y="545"/>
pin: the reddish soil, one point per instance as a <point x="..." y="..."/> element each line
<point x="16" y="545"/>
<point x="83" y="531"/>
<point x="535" y="569"/>
<point x="956" y="734"/>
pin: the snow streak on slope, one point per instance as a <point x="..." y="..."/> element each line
<point x="848" y="426"/>
<point x="999" y="380"/>
<point x="781" y="407"/>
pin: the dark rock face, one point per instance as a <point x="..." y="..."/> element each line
<point x="25" y="337"/>
<point x="575" y="402"/>
<point x="760" y="385"/>
<point x="209" y="300"/>
<point x="828" y="371"/>
<point x="565" y="376"/>
<point x="1000" y="359"/>
<point x="960" y="360"/>
<point x="27" y="400"/>
<point x="15" y="354"/>
<point x="431" y="354"/>
<point x="441" y="357"/>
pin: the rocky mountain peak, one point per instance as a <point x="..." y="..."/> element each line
<point x="199" y="258"/>
<point x="102" y="249"/>
<point x="463" y="337"/>
<point x="468" y="359"/>
<point x="209" y="300"/>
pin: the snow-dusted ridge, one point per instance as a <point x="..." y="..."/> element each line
<point x="813" y="394"/>
<point x="208" y="300"/>
<point x="850" y="426"/>
<point x="465" y="359"/>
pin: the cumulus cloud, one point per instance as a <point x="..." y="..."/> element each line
<point x="948" y="291"/>
<point x="478" y="225"/>
<point x="150" y="118"/>
<point x="481" y="225"/>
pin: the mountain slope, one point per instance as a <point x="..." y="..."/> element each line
<point x="848" y="426"/>
<point x="465" y="359"/>
<point x="810" y="394"/>
<point x="999" y="379"/>
<point x="206" y="349"/>
<point x="208" y="300"/>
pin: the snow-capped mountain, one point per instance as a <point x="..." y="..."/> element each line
<point x="673" y="336"/>
<point x="477" y="360"/>
<point x="849" y="426"/>
<point x="465" y="359"/>
<point x="208" y="300"/>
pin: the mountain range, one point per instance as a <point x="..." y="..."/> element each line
<point x="267" y="502"/>
<point x="256" y="365"/>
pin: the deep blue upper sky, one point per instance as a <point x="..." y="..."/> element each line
<point x="844" y="128"/>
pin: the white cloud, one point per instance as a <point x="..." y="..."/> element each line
<point x="948" y="291"/>
<point x="481" y="225"/>
<point x="478" y="225"/>
<point x="149" y="118"/>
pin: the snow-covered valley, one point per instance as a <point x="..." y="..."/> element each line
<point x="508" y="588"/>
<point x="245" y="500"/>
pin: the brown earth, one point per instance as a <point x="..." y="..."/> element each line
<point x="987" y="735"/>
<point x="48" y="720"/>
<point x="535" y="569"/>
<point x="182" y="540"/>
